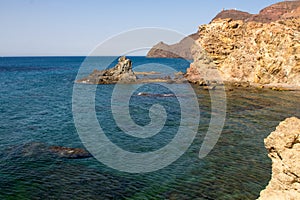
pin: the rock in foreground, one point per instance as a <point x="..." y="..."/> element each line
<point x="122" y="72"/>
<point x="283" y="147"/>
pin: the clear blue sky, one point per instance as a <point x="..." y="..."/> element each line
<point x="75" y="27"/>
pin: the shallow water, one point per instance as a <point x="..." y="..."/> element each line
<point x="36" y="106"/>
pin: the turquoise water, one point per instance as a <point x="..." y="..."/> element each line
<point x="36" y="106"/>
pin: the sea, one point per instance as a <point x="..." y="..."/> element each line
<point x="36" y="107"/>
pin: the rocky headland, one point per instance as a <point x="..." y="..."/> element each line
<point x="262" y="49"/>
<point x="261" y="53"/>
<point x="283" y="147"/>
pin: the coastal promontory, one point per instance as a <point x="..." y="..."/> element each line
<point x="253" y="50"/>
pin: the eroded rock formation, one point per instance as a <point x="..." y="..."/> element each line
<point x="248" y="51"/>
<point x="122" y="72"/>
<point x="283" y="147"/>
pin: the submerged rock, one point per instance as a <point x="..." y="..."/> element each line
<point x="39" y="149"/>
<point x="283" y="147"/>
<point x="68" y="152"/>
<point x="122" y="72"/>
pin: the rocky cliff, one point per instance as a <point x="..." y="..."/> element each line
<point x="283" y="147"/>
<point x="282" y="10"/>
<point x="251" y="51"/>
<point x="255" y="52"/>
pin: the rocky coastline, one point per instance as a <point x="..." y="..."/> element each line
<point x="258" y="53"/>
<point x="261" y="49"/>
<point x="283" y="146"/>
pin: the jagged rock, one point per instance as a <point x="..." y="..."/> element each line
<point x="283" y="147"/>
<point x="260" y="53"/>
<point x="122" y="72"/>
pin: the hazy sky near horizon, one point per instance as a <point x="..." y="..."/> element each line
<point x="76" y="27"/>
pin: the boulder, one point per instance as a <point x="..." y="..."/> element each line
<point x="283" y="147"/>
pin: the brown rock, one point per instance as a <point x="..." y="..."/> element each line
<point x="233" y="14"/>
<point x="283" y="146"/>
<point x="68" y="152"/>
<point x="122" y="72"/>
<point x="261" y="53"/>
<point x="281" y="10"/>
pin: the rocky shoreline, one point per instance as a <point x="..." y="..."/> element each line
<point x="237" y="47"/>
<point x="283" y="147"/>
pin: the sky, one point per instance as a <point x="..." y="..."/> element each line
<point x="76" y="27"/>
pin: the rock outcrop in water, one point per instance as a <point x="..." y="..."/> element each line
<point x="248" y="51"/>
<point x="281" y="10"/>
<point x="283" y="146"/>
<point x="122" y="72"/>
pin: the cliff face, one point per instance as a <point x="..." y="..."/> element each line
<point x="282" y="10"/>
<point x="249" y="51"/>
<point x="283" y="147"/>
